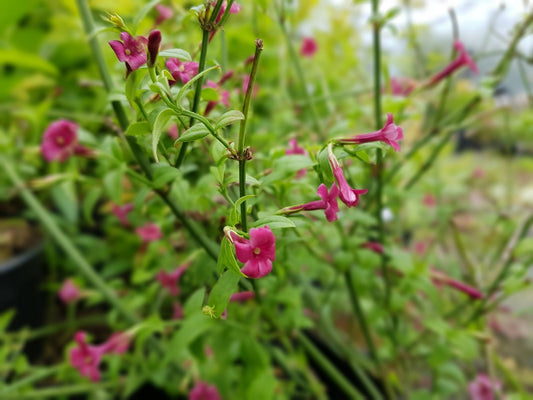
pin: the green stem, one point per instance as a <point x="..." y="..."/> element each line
<point x="329" y="368"/>
<point x="60" y="391"/>
<point x="242" y="131"/>
<point x="34" y="377"/>
<point x="66" y="244"/>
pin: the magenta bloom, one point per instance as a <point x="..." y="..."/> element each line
<point x="401" y="86"/>
<point x="389" y="134"/>
<point x="257" y="253"/>
<point x="173" y="132"/>
<point x="86" y="358"/>
<point x="69" y="292"/>
<point x="348" y="195"/>
<point x="376" y="247"/>
<point x="429" y="200"/>
<point x="309" y="47"/>
<point x="440" y="277"/>
<point x="462" y="59"/>
<point x="203" y="391"/>
<point x="118" y="343"/>
<point x="131" y="51"/>
<point x="60" y="141"/>
<point x="170" y="280"/>
<point x="121" y="212"/>
<point x="177" y="311"/>
<point x="149" y="232"/>
<point x="163" y="13"/>
<point x="241" y="297"/>
<point x="482" y="388"/>
<point x="295" y="149"/>
<point x="328" y="203"/>
<point x="182" y="71"/>
<point x="234" y="9"/>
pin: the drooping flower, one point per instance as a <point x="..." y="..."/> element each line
<point x="181" y="70"/>
<point x="60" y="141"/>
<point x="163" y="13"/>
<point x="462" y="59"/>
<point x="328" y="203"/>
<point x="482" y="388"/>
<point x="121" y="212"/>
<point x="169" y="280"/>
<point x="401" y="86"/>
<point x="347" y="194"/>
<point x="309" y="47"/>
<point x="149" y="232"/>
<point x="257" y="253"/>
<point x="203" y="391"/>
<point x="390" y="134"/>
<point x="118" y="343"/>
<point x="86" y="358"/>
<point x="131" y="51"/>
<point x="295" y="149"/>
<point x="69" y="292"/>
<point x="440" y="277"/>
<point x="154" y="41"/>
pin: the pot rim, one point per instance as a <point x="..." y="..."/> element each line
<point x="12" y="263"/>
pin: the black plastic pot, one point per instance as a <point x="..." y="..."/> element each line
<point x="20" y="287"/>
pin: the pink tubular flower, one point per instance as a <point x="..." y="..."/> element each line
<point x="376" y="247"/>
<point x="348" y="195"/>
<point x="234" y="9"/>
<point x="482" y="388"/>
<point x="203" y="391"/>
<point x="328" y="203"/>
<point x="257" y="253"/>
<point x="241" y="297"/>
<point x="182" y="71"/>
<point x="60" y="141"/>
<point x="69" y="292"/>
<point x="149" y="232"/>
<point x="170" y="280"/>
<point x="131" y="51"/>
<point x="86" y="358"/>
<point x="118" y="343"/>
<point x="295" y="149"/>
<point x="401" y="86"/>
<point x="463" y="58"/>
<point x="121" y="212"/>
<point x="173" y="132"/>
<point x="154" y="41"/>
<point x="440" y="277"/>
<point x="389" y="134"/>
<point x="309" y="47"/>
<point x="163" y="13"/>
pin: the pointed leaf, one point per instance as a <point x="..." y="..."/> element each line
<point x="228" y="118"/>
<point x="274" y="222"/>
<point x="138" y="129"/>
<point x="195" y="132"/>
<point x="226" y="258"/>
<point x="222" y="291"/>
<point x="160" y="123"/>
<point x="176" y="53"/>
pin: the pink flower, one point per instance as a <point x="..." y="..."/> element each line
<point x="223" y="96"/>
<point x="241" y="297"/>
<point x="376" y="247"/>
<point x="69" y="292"/>
<point x="389" y="134"/>
<point x="234" y="9"/>
<point x="177" y="311"/>
<point x="182" y="71"/>
<point x="163" y="13"/>
<point x="202" y="391"/>
<point x="257" y="253"/>
<point x="463" y="58"/>
<point x="149" y="232"/>
<point x="429" y="200"/>
<point x="420" y="248"/>
<point x="401" y="86"/>
<point x="60" y="141"/>
<point x="118" y="343"/>
<point x="174" y="132"/>
<point x="295" y="149"/>
<point x="309" y="47"/>
<point x="121" y="212"/>
<point x="86" y="358"/>
<point x="328" y="203"/>
<point x="440" y="277"/>
<point x="348" y="195"/>
<point x="170" y="280"/>
<point x="482" y="388"/>
<point x="131" y="51"/>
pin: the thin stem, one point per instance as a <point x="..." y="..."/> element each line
<point x="242" y="131"/>
<point x="60" y="391"/>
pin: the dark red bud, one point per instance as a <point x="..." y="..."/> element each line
<point x="154" y="40"/>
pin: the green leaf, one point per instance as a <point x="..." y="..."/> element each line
<point x="176" y="53"/>
<point x="226" y="258"/>
<point x="5" y="319"/>
<point x="209" y="94"/>
<point x="138" y="129"/>
<point x="194" y="302"/>
<point x="132" y="83"/>
<point x="228" y="118"/>
<point x="113" y="185"/>
<point x="164" y="174"/>
<point x="524" y="247"/>
<point x="274" y="222"/>
<point x="186" y="87"/>
<point x="160" y="124"/>
<point x="25" y="60"/>
<point x="222" y="291"/>
<point x="142" y="13"/>
<point x="195" y="132"/>
<point x="89" y="202"/>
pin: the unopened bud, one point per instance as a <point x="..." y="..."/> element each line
<point x="154" y="40"/>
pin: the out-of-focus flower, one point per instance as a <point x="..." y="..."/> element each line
<point x="69" y="292"/>
<point x="173" y="132"/>
<point x="376" y="247"/>
<point x="309" y="47"/>
<point x="118" y="343"/>
<point x="163" y="13"/>
<point x="245" y="83"/>
<point x="241" y="297"/>
<point x="295" y="149"/>
<point x="121" y="212"/>
<point x="257" y="253"/>
<point x="482" y="388"/>
<point x="234" y="9"/>
<point x="149" y="232"/>
<point x="203" y="391"/>
<point x="389" y="134"/>
<point x="177" y="311"/>
<point x="131" y="51"/>
<point x="401" y="86"/>
<point x="462" y="59"/>
<point x="440" y="277"/>
<point x="170" y="280"/>
<point x="182" y="71"/>
<point x="223" y="96"/>
<point x="347" y="194"/>
<point x="429" y="200"/>
<point x="86" y="358"/>
<point x="60" y="141"/>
